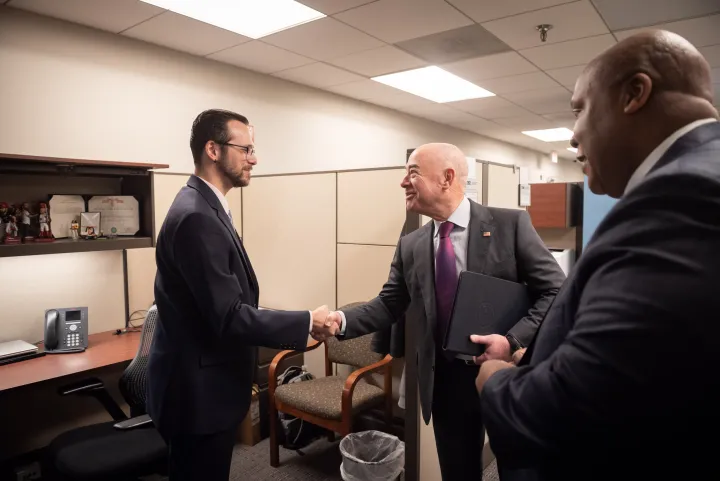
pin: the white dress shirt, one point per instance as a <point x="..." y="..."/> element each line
<point x="642" y="171"/>
<point x="226" y="206"/>
<point x="220" y="196"/>
<point x="458" y="237"/>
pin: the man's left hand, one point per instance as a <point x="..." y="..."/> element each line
<point x="488" y="369"/>
<point x="496" y="347"/>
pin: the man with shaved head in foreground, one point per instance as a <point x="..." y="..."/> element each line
<point x="423" y="279"/>
<point x="622" y="379"/>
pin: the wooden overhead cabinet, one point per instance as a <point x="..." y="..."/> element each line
<point x="555" y="205"/>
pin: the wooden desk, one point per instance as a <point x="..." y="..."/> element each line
<point x="104" y="349"/>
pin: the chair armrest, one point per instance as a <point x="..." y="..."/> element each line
<point x="279" y="357"/>
<point x="82" y="387"/>
<point x="96" y="388"/>
<point x="136" y="422"/>
<point x="356" y="376"/>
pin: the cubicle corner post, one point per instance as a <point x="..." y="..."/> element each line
<point x="485" y="177"/>
<point x="126" y="288"/>
<point x="577" y="196"/>
<point x="412" y="417"/>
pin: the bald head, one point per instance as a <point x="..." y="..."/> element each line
<point x="632" y="97"/>
<point x="672" y="63"/>
<point x="435" y="180"/>
<point x="440" y="157"/>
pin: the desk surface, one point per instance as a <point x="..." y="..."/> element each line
<point x="104" y="349"/>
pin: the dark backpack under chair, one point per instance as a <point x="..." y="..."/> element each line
<point x="295" y="433"/>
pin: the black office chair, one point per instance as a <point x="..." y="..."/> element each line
<point x="123" y="449"/>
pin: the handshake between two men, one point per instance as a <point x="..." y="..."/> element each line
<point x="325" y="323"/>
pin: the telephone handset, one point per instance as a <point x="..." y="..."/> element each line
<point x="66" y="330"/>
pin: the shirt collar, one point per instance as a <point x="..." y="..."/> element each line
<point x="220" y="196"/>
<point x="659" y="151"/>
<point x="461" y="216"/>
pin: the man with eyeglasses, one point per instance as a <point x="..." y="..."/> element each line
<point x="203" y="355"/>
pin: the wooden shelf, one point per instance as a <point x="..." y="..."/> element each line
<point x="62" y="246"/>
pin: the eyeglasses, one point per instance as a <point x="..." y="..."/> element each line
<point x="248" y="149"/>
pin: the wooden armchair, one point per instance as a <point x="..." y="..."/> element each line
<point x="331" y="401"/>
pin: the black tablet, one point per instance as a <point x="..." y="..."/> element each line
<point x="483" y="305"/>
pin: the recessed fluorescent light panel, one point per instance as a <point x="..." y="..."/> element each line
<point x="551" y="135"/>
<point x="572" y="149"/>
<point x="251" y="18"/>
<point x="434" y="83"/>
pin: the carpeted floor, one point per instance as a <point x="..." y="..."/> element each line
<point x="320" y="462"/>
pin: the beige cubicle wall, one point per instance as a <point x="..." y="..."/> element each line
<point x="503" y="186"/>
<point x="289" y="231"/>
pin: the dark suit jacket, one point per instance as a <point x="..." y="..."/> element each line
<point x="203" y="355"/>
<point x="623" y="378"/>
<point x="513" y="251"/>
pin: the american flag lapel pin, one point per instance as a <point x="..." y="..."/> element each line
<point x="486" y="234"/>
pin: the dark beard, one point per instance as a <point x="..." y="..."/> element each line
<point x="234" y="176"/>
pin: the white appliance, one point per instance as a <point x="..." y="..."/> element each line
<point x="564" y="257"/>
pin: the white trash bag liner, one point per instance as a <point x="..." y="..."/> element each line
<point x="371" y="456"/>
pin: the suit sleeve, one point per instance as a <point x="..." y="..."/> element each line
<point x="386" y="309"/>
<point x="538" y="268"/>
<point x="616" y="378"/>
<point x="202" y="252"/>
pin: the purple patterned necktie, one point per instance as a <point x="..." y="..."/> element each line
<point x="446" y="278"/>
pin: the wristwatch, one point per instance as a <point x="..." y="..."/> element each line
<point x="514" y="343"/>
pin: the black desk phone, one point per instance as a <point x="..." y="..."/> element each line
<point x="66" y="330"/>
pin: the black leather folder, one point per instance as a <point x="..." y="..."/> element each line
<point x="483" y="305"/>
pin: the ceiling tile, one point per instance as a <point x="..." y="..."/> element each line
<point x="323" y="39"/>
<point x="261" y="57"/>
<point x="490" y="67"/>
<point x="330" y="7"/>
<point x="482" y="11"/>
<point x="111" y="15"/>
<point x="566" y="54"/>
<point x="440" y="113"/>
<point x="454" y="45"/>
<point x="397" y="20"/>
<point x="542" y="101"/>
<point x="476" y="125"/>
<point x="570" y="21"/>
<point x="490" y="108"/>
<point x="622" y="14"/>
<point x="375" y="92"/>
<point x="518" y="83"/>
<point x="562" y="119"/>
<point x="567" y="75"/>
<point x="179" y="32"/>
<point x="378" y="61"/>
<point x="711" y="54"/>
<point x="318" y="75"/>
<point x="700" y="32"/>
<point x="526" y="122"/>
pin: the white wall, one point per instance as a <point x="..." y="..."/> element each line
<point x="71" y="91"/>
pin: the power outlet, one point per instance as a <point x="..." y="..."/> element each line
<point x="28" y="473"/>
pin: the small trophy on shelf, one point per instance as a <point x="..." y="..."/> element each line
<point x="74" y="230"/>
<point x="11" y="231"/>
<point x="45" y="234"/>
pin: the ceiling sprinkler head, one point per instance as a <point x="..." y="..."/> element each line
<point x="543" y="29"/>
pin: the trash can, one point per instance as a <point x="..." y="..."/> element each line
<point x="371" y="456"/>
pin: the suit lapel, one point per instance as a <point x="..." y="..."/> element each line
<point x="241" y="249"/>
<point x="424" y="260"/>
<point x="210" y="197"/>
<point x="480" y="236"/>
